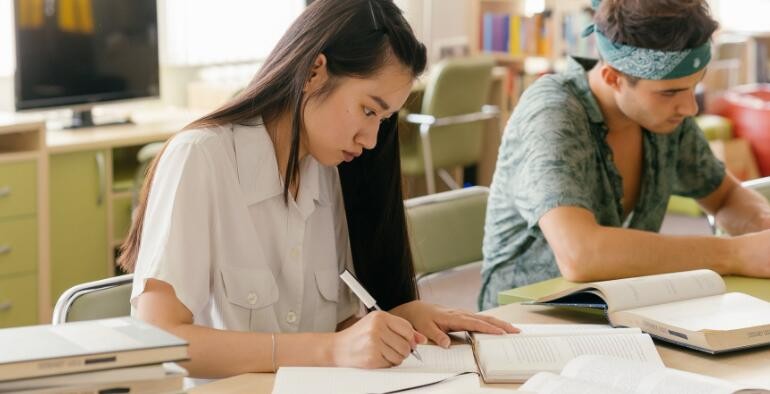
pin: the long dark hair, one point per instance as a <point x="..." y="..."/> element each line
<point x="357" y="37"/>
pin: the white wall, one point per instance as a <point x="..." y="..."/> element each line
<point x="436" y="22"/>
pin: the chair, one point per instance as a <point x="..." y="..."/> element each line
<point x="450" y="122"/>
<point x="100" y="299"/>
<point x="446" y="231"/>
<point x="761" y="185"/>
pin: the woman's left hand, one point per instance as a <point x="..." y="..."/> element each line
<point x="434" y="321"/>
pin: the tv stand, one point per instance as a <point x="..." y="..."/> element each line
<point x="83" y="118"/>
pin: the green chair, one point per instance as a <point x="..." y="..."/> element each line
<point x="451" y="120"/>
<point x="760" y="185"/>
<point x="100" y="299"/>
<point x="446" y="231"/>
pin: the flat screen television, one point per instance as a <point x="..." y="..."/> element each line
<point x="76" y="53"/>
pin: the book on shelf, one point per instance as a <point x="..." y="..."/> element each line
<point x="690" y="309"/>
<point x="47" y="350"/>
<point x="534" y="35"/>
<point x="610" y="375"/>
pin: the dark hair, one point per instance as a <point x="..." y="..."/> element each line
<point x="357" y="37"/>
<point x="666" y="25"/>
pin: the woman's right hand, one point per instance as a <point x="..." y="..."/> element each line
<point x="378" y="340"/>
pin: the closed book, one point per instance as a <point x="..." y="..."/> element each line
<point x="171" y="381"/>
<point x="47" y="350"/>
<point x="142" y="372"/>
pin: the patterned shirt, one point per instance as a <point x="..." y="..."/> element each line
<point x="555" y="153"/>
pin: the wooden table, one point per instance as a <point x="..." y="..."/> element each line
<point x="750" y="367"/>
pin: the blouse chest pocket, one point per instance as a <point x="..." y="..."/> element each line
<point x="251" y="293"/>
<point x="328" y="282"/>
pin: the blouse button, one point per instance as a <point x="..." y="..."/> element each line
<point x="291" y="317"/>
<point x="252" y="297"/>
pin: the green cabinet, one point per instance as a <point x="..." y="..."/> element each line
<point x="18" y="300"/>
<point x="18" y="188"/>
<point x="78" y="219"/>
<point x="18" y="243"/>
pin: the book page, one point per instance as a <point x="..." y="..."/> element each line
<point x="526" y="355"/>
<point x="561" y="330"/>
<point x="458" y="358"/>
<point x="292" y="380"/>
<point x="551" y="383"/>
<point x="731" y="311"/>
<point x="628" y="293"/>
<point x="643" y="378"/>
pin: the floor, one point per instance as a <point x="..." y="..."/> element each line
<point x="459" y="288"/>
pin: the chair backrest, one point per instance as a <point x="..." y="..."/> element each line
<point x="95" y="300"/>
<point x="760" y="185"/>
<point x="455" y="87"/>
<point x="446" y="229"/>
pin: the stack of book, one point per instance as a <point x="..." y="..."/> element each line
<point x="122" y="355"/>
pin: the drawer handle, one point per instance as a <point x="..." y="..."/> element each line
<point x="5" y="191"/>
<point x="5" y="249"/>
<point x="5" y="306"/>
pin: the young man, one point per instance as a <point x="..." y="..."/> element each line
<point x="591" y="156"/>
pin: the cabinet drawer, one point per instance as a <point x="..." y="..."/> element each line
<point x="121" y="217"/>
<point x="18" y="245"/>
<point x="18" y="188"/>
<point x="18" y="300"/>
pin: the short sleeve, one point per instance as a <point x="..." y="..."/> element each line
<point x="548" y="158"/>
<point x="176" y="233"/>
<point x="698" y="171"/>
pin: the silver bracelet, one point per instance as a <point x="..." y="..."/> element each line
<point x="272" y="354"/>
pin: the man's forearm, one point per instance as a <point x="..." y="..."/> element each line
<point x="611" y="253"/>
<point x="744" y="211"/>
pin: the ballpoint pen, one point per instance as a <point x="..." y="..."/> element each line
<point x="366" y="298"/>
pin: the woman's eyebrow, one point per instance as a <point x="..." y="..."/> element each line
<point x="381" y="102"/>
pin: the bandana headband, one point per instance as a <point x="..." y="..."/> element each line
<point x="647" y="63"/>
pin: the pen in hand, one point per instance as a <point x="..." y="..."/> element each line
<point x="366" y="298"/>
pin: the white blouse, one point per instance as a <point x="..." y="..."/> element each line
<point x="218" y="231"/>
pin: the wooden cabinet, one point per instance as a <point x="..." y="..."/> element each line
<point x="20" y="206"/>
<point x="18" y="300"/>
<point x="65" y="206"/>
<point x="78" y="221"/>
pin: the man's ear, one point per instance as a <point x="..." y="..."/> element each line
<point x="319" y="74"/>
<point x="611" y="77"/>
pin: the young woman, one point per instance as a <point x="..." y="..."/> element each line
<point x="246" y="221"/>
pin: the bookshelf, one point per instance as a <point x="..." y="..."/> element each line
<point x="504" y="29"/>
<point x="544" y="38"/>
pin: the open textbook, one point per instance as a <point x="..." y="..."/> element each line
<point x="516" y="357"/>
<point x="609" y="375"/>
<point x="501" y="358"/>
<point x="689" y="308"/>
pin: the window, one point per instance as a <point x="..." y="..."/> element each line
<point x="743" y="15"/>
<point x="201" y="32"/>
<point x="7" y="57"/>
